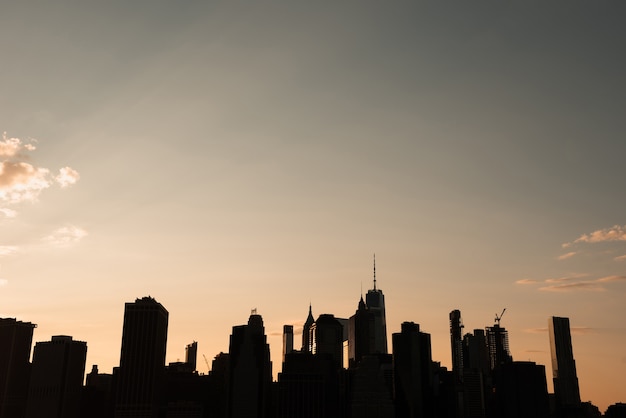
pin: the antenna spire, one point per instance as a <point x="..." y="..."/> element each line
<point x="374" y="271"/>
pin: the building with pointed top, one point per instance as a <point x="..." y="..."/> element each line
<point x="306" y="340"/>
<point x="375" y="301"/>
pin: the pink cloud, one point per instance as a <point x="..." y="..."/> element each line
<point x="614" y="233"/>
<point x="567" y="255"/>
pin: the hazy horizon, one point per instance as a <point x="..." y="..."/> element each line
<point x="224" y="156"/>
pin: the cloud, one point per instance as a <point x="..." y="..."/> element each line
<point x="3" y="282"/>
<point x="567" y="287"/>
<point x="67" y="177"/>
<point x="566" y="255"/>
<point x="22" y="181"/>
<point x="7" y="213"/>
<point x="527" y="281"/>
<point x="565" y="278"/>
<point x="611" y="279"/>
<point x="65" y="236"/>
<point x="11" y="147"/>
<point x="6" y="250"/>
<point x="536" y="330"/>
<point x="573" y="330"/>
<point x="620" y="258"/>
<point x="614" y="233"/>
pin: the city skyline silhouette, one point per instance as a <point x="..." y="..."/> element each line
<point x="222" y="156"/>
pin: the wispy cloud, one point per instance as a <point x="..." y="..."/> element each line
<point x="567" y="255"/>
<point x="614" y="233"/>
<point x="568" y="287"/>
<point x="574" y="282"/>
<point x="527" y="281"/>
<point x="620" y="258"/>
<point x="7" y="213"/>
<point x="611" y="279"/>
<point x="65" y="236"/>
<point x="573" y="330"/>
<point x="6" y="250"/>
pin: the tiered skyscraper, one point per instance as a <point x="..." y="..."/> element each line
<point x="564" y="376"/>
<point x="142" y="360"/>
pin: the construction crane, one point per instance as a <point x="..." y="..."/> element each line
<point x="208" y="369"/>
<point x="498" y="318"/>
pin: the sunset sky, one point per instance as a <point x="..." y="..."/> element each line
<point x="222" y="156"/>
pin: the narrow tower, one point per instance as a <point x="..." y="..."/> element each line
<point x="563" y="365"/>
<point x="375" y="301"/>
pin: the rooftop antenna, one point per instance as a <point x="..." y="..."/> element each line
<point x="374" y="271"/>
<point x="498" y="318"/>
<point x="253" y="312"/>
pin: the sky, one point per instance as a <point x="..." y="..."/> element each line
<point x="224" y="156"/>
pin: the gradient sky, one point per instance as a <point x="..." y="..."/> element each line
<point x="222" y="156"/>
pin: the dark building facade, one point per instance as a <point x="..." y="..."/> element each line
<point x="140" y="377"/>
<point x="413" y="375"/>
<point x="16" y="339"/>
<point x="56" y="378"/>
<point x="564" y="375"/>
<point x="250" y="370"/>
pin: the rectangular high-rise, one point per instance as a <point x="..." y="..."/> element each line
<point x="142" y="359"/>
<point x="56" y="378"/>
<point x="16" y="338"/>
<point x="564" y="376"/>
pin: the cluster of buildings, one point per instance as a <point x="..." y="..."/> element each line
<point x="343" y="368"/>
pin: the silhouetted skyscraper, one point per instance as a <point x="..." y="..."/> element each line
<point x="375" y="301"/>
<point x="456" y="340"/>
<point x="413" y="374"/>
<point x="250" y="370"/>
<point x="498" y="345"/>
<point x="57" y="378"/>
<point x="360" y="334"/>
<point x="191" y="355"/>
<point x="306" y="343"/>
<point x="564" y="376"/>
<point x="326" y="336"/>
<point x="142" y="359"/>
<point x="287" y="340"/>
<point x="16" y="338"/>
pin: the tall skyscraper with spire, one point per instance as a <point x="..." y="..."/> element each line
<point x="306" y="338"/>
<point x="375" y="301"/>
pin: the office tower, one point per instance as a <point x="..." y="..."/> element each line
<point x="564" y="376"/>
<point x="521" y="390"/>
<point x="306" y="343"/>
<point x="56" y="378"/>
<point x="307" y="387"/>
<point x="413" y="372"/>
<point x="96" y="399"/>
<point x="142" y="359"/>
<point x="16" y="338"/>
<point x="360" y="334"/>
<point x="287" y="340"/>
<point x="326" y="337"/>
<point x="375" y="301"/>
<point x="498" y="345"/>
<point x="456" y="340"/>
<point x="250" y="370"/>
<point x="477" y="382"/>
<point x="191" y="355"/>
<point x="370" y="394"/>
